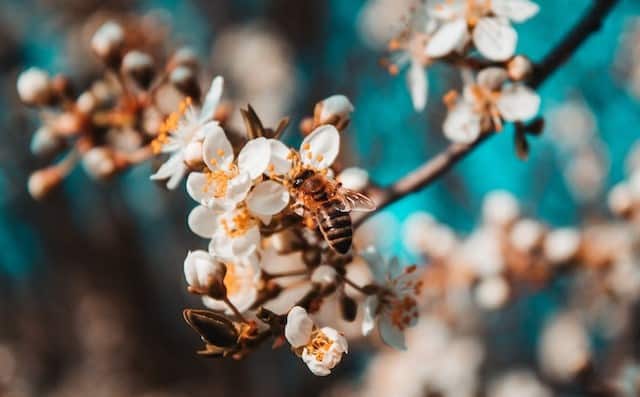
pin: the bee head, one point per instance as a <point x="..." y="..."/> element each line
<point x="302" y="176"/>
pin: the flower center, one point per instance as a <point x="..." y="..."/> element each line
<point x="477" y="9"/>
<point x="169" y="125"/>
<point x="239" y="224"/>
<point x="218" y="181"/>
<point x="319" y="344"/>
<point x="231" y="280"/>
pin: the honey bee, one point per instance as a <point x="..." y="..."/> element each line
<point x="330" y="203"/>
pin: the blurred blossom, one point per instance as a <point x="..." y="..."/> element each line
<point x="500" y="208"/>
<point x="257" y="65"/>
<point x="627" y="66"/>
<point x="564" y="348"/>
<point x="583" y="157"/>
<point x="492" y="292"/>
<point x="518" y="383"/>
<point x="380" y="20"/>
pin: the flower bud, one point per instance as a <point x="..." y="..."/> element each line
<point x="492" y="292"/>
<point x="620" y="200"/>
<point x="44" y="141"/>
<point x="519" y="68"/>
<point x="193" y="154"/>
<point x="212" y="327"/>
<point x="139" y="66"/>
<point x="354" y="178"/>
<point x="500" y="208"/>
<point x="107" y="42"/>
<point x="186" y="57"/>
<point x="86" y="102"/>
<point x="203" y="273"/>
<point x="184" y="79"/>
<point x="67" y="124"/>
<point x="34" y="87"/>
<point x="335" y="110"/>
<point x="564" y="349"/>
<point x="99" y="163"/>
<point x="43" y="181"/>
<point x="348" y="308"/>
<point x="324" y="275"/>
<point x="526" y="234"/>
<point x="561" y="246"/>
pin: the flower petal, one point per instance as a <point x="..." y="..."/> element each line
<point x="462" y="124"/>
<point x="447" y="10"/>
<point x="377" y="264"/>
<point x="391" y="335"/>
<point x="197" y="187"/>
<point x="268" y="198"/>
<point x="417" y="82"/>
<point x="254" y="157"/>
<point x="198" y="266"/>
<point x="320" y="148"/>
<point x="217" y="151"/>
<point x="203" y="221"/>
<point x="451" y="36"/>
<point x="495" y="38"/>
<point x="516" y="10"/>
<point x="299" y="327"/>
<point x="518" y="103"/>
<point x="173" y="169"/>
<point x="246" y="244"/>
<point x="238" y="188"/>
<point x="280" y="162"/>
<point x="370" y="310"/>
<point x="212" y="100"/>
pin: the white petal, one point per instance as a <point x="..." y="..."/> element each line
<point x="449" y="37"/>
<point x="391" y="335"/>
<point x="197" y="187"/>
<point x="198" y="266"/>
<point x="173" y="169"/>
<point x="495" y="38"/>
<point x="237" y="188"/>
<point x="299" y="327"/>
<point x="516" y="10"/>
<point x="212" y="100"/>
<point x="370" y="309"/>
<point x="377" y="264"/>
<point x="518" y="103"/>
<point x="214" y="304"/>
<point x="203" y="221"/>
<point x="280" y="163"/>
<point x="492" y="78"/>
<point x="268" y="198"/>
<point x="254" y="157"/>
<point x="217" y="151"/>
<point x="336" y="105"/>
<point x="417" y="82"/>
<point x="320" y="148"/>
<point x="246" y="244"/>
<point x="462" y="124"/>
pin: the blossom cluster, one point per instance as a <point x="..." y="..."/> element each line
<point x="253" y="209"/>
<point x="453" y="32"/>
<point x="109" y="125"/>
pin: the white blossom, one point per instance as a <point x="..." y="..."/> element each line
<point x="320" y="348"/>
<point x="486" y="23"/>
<point x="194" y="125"/>
<point x="395" y="307"/>
<point x="199" y="268"/>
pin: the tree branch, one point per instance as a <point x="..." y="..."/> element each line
<point x="422" y="177"/>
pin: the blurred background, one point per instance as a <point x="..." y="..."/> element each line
<point x="91" y="279"/>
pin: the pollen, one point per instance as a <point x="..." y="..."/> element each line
<point x="231" y="280"/>
<point x="240" y="223"/>
<point x="319" y="344"/>
<point x="319" y="157"/>
<point x="169" y="125"/>
<point x="220" y="152"/>
<point x="306" y="146"/>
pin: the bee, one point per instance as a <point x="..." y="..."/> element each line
<point x="330" y="203"/>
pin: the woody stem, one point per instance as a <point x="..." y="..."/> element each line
<point x="437" y="166"/>
<point x="234" y="309"/>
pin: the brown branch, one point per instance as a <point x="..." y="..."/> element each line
<point x="422" y="177"/>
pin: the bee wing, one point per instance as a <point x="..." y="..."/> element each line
<point x="354" y="201"/>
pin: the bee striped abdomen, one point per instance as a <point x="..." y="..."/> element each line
<point x="335" y="225"/>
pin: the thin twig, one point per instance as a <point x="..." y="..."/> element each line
<point x="421" y="177"/>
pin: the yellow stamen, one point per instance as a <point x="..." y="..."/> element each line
<point x="169" y="125"/>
